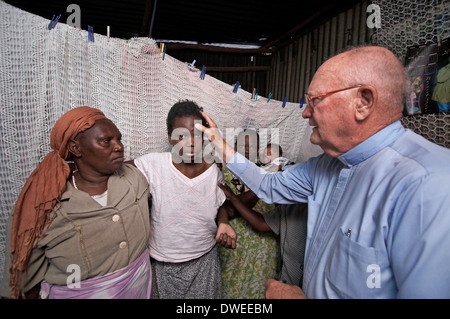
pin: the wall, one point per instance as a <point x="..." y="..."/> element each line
<point x="294" y="65"/>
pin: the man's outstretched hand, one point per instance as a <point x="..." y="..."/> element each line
<point x="215" y="137"/>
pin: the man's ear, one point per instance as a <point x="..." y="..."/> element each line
<point x="367" y="99"/>
<point x="74" y="148"/>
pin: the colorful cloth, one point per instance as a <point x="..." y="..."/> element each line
<point x="131" y="282"/>
<point x="256" y="257"/>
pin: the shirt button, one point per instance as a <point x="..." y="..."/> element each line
<point x="123" y="245"/>
<point x="115" y="218"/>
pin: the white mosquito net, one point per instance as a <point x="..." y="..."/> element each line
<point x="44" y="73"/>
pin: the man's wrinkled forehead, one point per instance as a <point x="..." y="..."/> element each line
<point x="328" y="75"/>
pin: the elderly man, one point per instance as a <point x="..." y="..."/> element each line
<point x="378" y="204"/>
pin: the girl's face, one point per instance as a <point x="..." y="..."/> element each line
<point x="186" y="140"/>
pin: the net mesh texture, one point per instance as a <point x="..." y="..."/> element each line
<point x="45" y="73"/>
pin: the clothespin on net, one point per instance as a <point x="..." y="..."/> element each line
<point x="302" y="100"/>
<point x="284" y="102"/>
<point x="254" y="95"/>
<point x="202" y="75"/>
<point x="236" y="87"/>
<point x="164" y="51"/>
<point x="90" y="33"/>
<point x="107" y="31"/>
<point x="270" y="96"/>
<point x="54" y="22"/>
<point x="191" y="66"/>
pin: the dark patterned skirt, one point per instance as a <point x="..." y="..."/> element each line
<point x="199" y="278"/>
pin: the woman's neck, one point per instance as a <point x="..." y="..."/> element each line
<point x="91" y="184"/>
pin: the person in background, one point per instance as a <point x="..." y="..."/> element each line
<point x="378" y="217"/>
<point x="286" y="221"/>
<point x="185" y="223"/>
<point x="271" y="158"/>
<point x="92" y="222"/>
<point x="256" y="257"/>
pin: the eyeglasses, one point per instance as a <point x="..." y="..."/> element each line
<point x="311" y="98"/>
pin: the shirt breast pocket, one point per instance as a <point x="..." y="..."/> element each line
<point x="349" y="271"/>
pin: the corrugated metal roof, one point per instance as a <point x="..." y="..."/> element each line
<point x="254" y="22"/>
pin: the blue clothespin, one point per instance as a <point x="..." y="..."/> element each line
<point x="54" y="22"/>
<point x="270" y="96"/>
<point x="254" y="94"/>
<point x="302" y="101"/>
<point x="90" y="33"/>
<point x="202" y="75"/>
<point x="284" y="102"/>
<point x="236" y="87"/>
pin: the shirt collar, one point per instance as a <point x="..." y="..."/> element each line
<point x="373" y="144"/>
<point x="82" y="200"/>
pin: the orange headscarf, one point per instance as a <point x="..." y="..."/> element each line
<point x="42" y="191"/>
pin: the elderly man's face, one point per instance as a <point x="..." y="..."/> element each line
<point x="332" y="117"/>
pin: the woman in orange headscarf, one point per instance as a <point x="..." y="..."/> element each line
<point x="81" y="234"/>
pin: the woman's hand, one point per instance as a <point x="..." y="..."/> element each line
<point x="226" y="236"/>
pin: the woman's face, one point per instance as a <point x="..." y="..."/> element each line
<point x="100" y="148"/>
<point x="187" y="141"/>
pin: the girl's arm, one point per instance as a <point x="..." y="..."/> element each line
<point x="226" y="236"/>
<point x="253" y="218"/>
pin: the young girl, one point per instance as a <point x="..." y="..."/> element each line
<point x="256" y="257"/>
<point x="185" y="202"/>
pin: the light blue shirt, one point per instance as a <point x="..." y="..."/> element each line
<point x="378" y="216"/>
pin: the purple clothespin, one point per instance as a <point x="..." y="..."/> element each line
<point x="202" y="75"/>
<point x="54" y="22"/>
<point x="90" y="33"/>
<point x="191" y="66"/>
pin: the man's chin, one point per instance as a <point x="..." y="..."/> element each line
<point x="314" y="139"/>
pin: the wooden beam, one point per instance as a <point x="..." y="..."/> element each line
<point x="237" y="69"/>
<point x="209" y="48"/>
<point x="315" y="15"/>
<point x="146" y="19"/>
